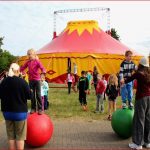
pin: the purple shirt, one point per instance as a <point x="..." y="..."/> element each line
<point x="33" y="69"/>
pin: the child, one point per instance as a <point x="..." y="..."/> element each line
<point x="83" y="86"/>
<point x="75" y="69"/>
<point x="33" y="65"/>
<point x="105" y="83"/>
<point x="100" y="94"/>
<point x="70" y="79"/>
<point x="95" y="72"/>
<point x="126" y="69"/>
<point x="89" y="77"/>
<point x="44" y="92"/>
<point x="141" y="119"/>
<point x="112" y="93"/>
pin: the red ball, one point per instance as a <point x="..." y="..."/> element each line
<point x="39" y="129"/>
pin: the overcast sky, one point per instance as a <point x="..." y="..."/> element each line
<point x="30" y="24"/>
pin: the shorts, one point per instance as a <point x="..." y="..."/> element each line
<point x="111" y="98"/>
<point x="16" y="130"/>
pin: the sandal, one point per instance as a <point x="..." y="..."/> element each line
<point x="109" y="118"/>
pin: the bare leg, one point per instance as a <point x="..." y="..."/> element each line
<point x="114" y="106"/>
<point x="12" y="144"/>
<point x="109" y="108"/>
<point x="20" y="145"/>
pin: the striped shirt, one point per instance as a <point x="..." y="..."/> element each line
<point x="126" y="69"/>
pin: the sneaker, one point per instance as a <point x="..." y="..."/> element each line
<point x="32" y="111"/>
<point x="134" y="146"/>
<point x="124" y="105"/>
<point x="40" y="112"/>
<point x="131" y="105"/>
<point x="146" y="145"/>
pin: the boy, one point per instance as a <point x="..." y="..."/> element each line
<point x="83" y="86"/>
<point x="126" y="69"/>
<point x="33" y="65"/>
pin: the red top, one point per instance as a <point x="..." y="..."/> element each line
<point x="100" y="88"/>
<point x="143" y="87"/>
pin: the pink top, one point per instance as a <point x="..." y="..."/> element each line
<point x="33" y="69"/>
<point x="69" y="77"/>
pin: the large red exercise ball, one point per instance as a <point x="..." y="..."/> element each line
<point x="39" y="129"/>
<point x="122" y="122"/>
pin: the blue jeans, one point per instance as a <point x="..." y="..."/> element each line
<point x="127" y="92"/>
<point x="100" y="102"/>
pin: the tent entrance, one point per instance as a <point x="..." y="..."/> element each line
<point x="69" y="65"/>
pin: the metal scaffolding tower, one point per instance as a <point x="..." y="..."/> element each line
<point x="107" y="10"/>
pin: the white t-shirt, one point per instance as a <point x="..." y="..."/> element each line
<point x="75" y="69"/>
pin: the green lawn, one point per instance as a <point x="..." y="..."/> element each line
<point x="64" y="106"/>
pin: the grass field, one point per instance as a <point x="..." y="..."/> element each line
<point x="64" y="106"/>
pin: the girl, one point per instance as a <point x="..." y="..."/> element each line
<point x="34" y="65"/>
<point x="70" y="79"/>
<point x="112" y="93"/>
<point x="141" y="119"/>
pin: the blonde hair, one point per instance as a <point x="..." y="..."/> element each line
<point x="13" y="67"/>
<point x="99" y="76"/>
<point x="113" y="80"/>
<point x="31" y="50"/>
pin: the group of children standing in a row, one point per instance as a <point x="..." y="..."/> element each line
<point x="101" y="87"/>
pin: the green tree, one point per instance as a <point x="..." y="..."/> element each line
<point x="114" y="34"/>
<point x="5" y="57"/>
<point x="1" y="43"/>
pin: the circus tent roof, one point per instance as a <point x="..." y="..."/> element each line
<point x="84" y="37"/>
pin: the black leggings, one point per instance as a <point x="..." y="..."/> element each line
<point x="36" y="96"/>
<point x="82" y="98"/>
<point x="69" y="87"/>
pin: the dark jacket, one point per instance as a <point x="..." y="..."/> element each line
<point x="83" y="84"/>
<point x="14" y="93"/>
<point x="143" y="87"/>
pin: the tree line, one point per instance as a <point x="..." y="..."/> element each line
<point x="6" y="58"/>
